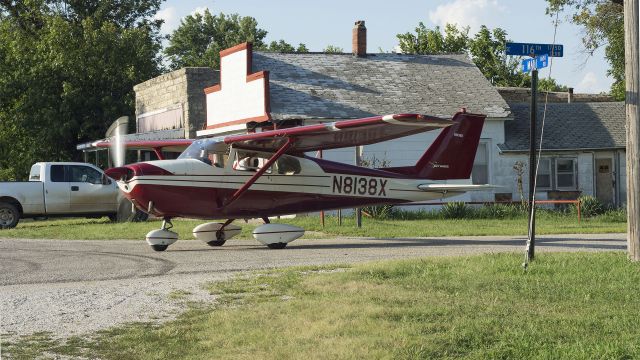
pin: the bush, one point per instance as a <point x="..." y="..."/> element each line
<point x="380" y="212"/>
<point x="590" y="206"/>
<point x="456" y="210"/>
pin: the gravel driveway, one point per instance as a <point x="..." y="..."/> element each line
<point x="77" y="287"/>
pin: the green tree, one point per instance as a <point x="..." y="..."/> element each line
<point x="546" y="84"/>
<point x="67" y="70"/>
<point x="284" y="47"/>
<point x="200" y="38"/>
<point x="433" y="41"/>
<point x="603" y="23"/>
<point x="486" y="49"/>
<point x="331" y="49"/>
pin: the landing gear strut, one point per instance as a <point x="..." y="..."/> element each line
<point x="220" y="236"/>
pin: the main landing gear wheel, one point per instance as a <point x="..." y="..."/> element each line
<point x="159" y="247"/>
<point x="220" y="240"/>
<point x="277" y="246"/>
<point x="216" y="234"/>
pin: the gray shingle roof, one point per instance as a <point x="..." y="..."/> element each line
<point x="598" y="125"/>
<point x="342" y="86"/>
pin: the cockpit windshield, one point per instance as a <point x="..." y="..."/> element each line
<point x="212" y="151"/>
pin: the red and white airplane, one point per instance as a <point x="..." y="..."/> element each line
<point x="265" y="174"/>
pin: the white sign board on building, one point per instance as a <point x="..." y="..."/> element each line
<point x="241" y="97"/>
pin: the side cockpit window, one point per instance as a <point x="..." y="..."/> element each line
<point x="251" y="161"/>
<point x="212" y="152"/>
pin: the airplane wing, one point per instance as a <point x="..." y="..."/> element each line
<point x="339" y="134"/>
<point x="175" y="145"/>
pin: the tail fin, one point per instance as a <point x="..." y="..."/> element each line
<point x="452" y="154"/>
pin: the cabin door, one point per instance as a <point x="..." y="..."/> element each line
<point x="604" y="180"/>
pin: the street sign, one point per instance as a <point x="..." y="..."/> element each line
<point x="540" y="62"/>
<point x="527" y="49"/>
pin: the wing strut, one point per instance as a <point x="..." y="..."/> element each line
<point x="258" y="174"/>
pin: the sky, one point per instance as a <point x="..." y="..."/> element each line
<point x="329" y="22"/>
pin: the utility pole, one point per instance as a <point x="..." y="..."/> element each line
<point x="632" y="106"/>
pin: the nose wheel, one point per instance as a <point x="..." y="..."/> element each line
<point x="160" y="239"/>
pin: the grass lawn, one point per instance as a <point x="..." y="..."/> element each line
<point x="566" y="306"/>
<point x="547" y="223"/>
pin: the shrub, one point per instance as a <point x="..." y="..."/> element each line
<point x="455" y="210"/>
<point x="379" y="212"/>
<point x="590" y="206"/>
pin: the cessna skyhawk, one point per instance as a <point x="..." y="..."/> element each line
<point x="265" y="174"/>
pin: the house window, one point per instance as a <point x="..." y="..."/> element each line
<point x="480" y="172"/>
<point x="543" y="180"/>
<point x="566" y="173"/>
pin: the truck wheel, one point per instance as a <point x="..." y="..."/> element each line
<point x="126" y="214"/>
<point x="9" y="216"/>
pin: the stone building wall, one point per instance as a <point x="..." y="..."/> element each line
<point x="174" y="100"/>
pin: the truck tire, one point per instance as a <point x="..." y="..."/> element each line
<point x="9" y="215"/>
<point x="126" y="214"/>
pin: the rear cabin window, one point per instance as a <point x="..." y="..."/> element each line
<point x="34" y="174"/>
<point x="57" y="173"/>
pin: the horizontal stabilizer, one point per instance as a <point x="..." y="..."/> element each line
<point x="442" y="188"/>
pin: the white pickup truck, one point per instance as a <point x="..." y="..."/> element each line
<point x="64" y="189"/>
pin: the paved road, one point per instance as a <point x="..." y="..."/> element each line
<point x="75" y="287"/>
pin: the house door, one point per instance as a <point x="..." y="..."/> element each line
<point x="604" y="180"/>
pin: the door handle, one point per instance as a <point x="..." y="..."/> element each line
<point x="75" y="188"/>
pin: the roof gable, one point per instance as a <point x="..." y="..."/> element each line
<point x="342" y="86"/>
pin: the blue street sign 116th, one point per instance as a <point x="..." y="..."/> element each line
<point x="527" y="49"/>
<point x="540" y="62"/>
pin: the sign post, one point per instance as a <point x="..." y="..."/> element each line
<point x="539" y="54"/>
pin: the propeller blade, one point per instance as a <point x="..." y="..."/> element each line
<point x="116" y="133"/>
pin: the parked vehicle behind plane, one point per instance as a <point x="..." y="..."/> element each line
<point x="68" y="189"/>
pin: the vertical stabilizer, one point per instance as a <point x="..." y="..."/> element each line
<point x="452" y="154"/>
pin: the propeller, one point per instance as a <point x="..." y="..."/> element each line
<point x="116" y="133"/>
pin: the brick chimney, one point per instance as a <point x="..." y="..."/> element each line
<point x="359" y="42"/>
<point x="570" y="96"/>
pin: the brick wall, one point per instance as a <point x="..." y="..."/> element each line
<point x="181" y="90"/>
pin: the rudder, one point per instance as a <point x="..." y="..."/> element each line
<point x="452" y="154"/>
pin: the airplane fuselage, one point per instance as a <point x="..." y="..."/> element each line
<point x="195" y="189"/>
